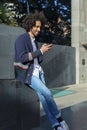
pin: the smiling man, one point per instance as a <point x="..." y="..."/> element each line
<point x="29" y="71"/>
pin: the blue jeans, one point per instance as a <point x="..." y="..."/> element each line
<point x="46" y="98"/>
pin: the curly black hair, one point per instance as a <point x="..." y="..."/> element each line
<point x="30" y="20"/>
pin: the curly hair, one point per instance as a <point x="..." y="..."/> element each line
<point x="31" y="19"/>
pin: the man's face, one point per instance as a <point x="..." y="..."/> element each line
<point x="36" y="29"/>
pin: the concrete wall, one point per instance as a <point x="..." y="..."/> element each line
<point x="79" y="38"/>
<point x="7" y="38"/>
<point x="59" y="63"/>
<point x="59" y="66"/>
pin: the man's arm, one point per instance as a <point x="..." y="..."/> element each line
<point x="22" y="53"/>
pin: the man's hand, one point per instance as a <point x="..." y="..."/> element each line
<point x="46" y="47"/>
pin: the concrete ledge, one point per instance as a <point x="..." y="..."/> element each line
<point x="19" y="106"/>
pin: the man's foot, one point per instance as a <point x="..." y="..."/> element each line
<point x="64" y="125"/>
<point x="58" y="127"/>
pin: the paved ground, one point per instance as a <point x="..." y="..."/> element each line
<point x="73" y="108"/>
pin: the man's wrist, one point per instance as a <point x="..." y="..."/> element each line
<point x="41" y="51"/>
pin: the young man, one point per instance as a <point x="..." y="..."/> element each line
<point x="28" y="70"/>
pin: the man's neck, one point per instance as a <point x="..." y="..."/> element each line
<point x="31" y="35"/>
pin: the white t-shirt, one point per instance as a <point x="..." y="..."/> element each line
<point x="37" y="67"/>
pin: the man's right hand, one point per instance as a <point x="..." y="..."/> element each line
<point x="46" y="47"/>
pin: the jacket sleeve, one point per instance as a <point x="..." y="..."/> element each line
<point x="23" y="54"/>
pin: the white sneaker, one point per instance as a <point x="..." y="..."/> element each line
<point x="64" y="125"/>
<point x="58" y="128"/>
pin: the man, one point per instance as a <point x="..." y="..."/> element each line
<point x="28" y="70"/>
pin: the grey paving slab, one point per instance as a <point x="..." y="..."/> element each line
<point x="75" y="116"/>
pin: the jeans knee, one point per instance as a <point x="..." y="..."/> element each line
<point x="48" y="94"/>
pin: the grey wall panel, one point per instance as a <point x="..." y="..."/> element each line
<point x="59" y="66"/>
<point x="8" y="35"/>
